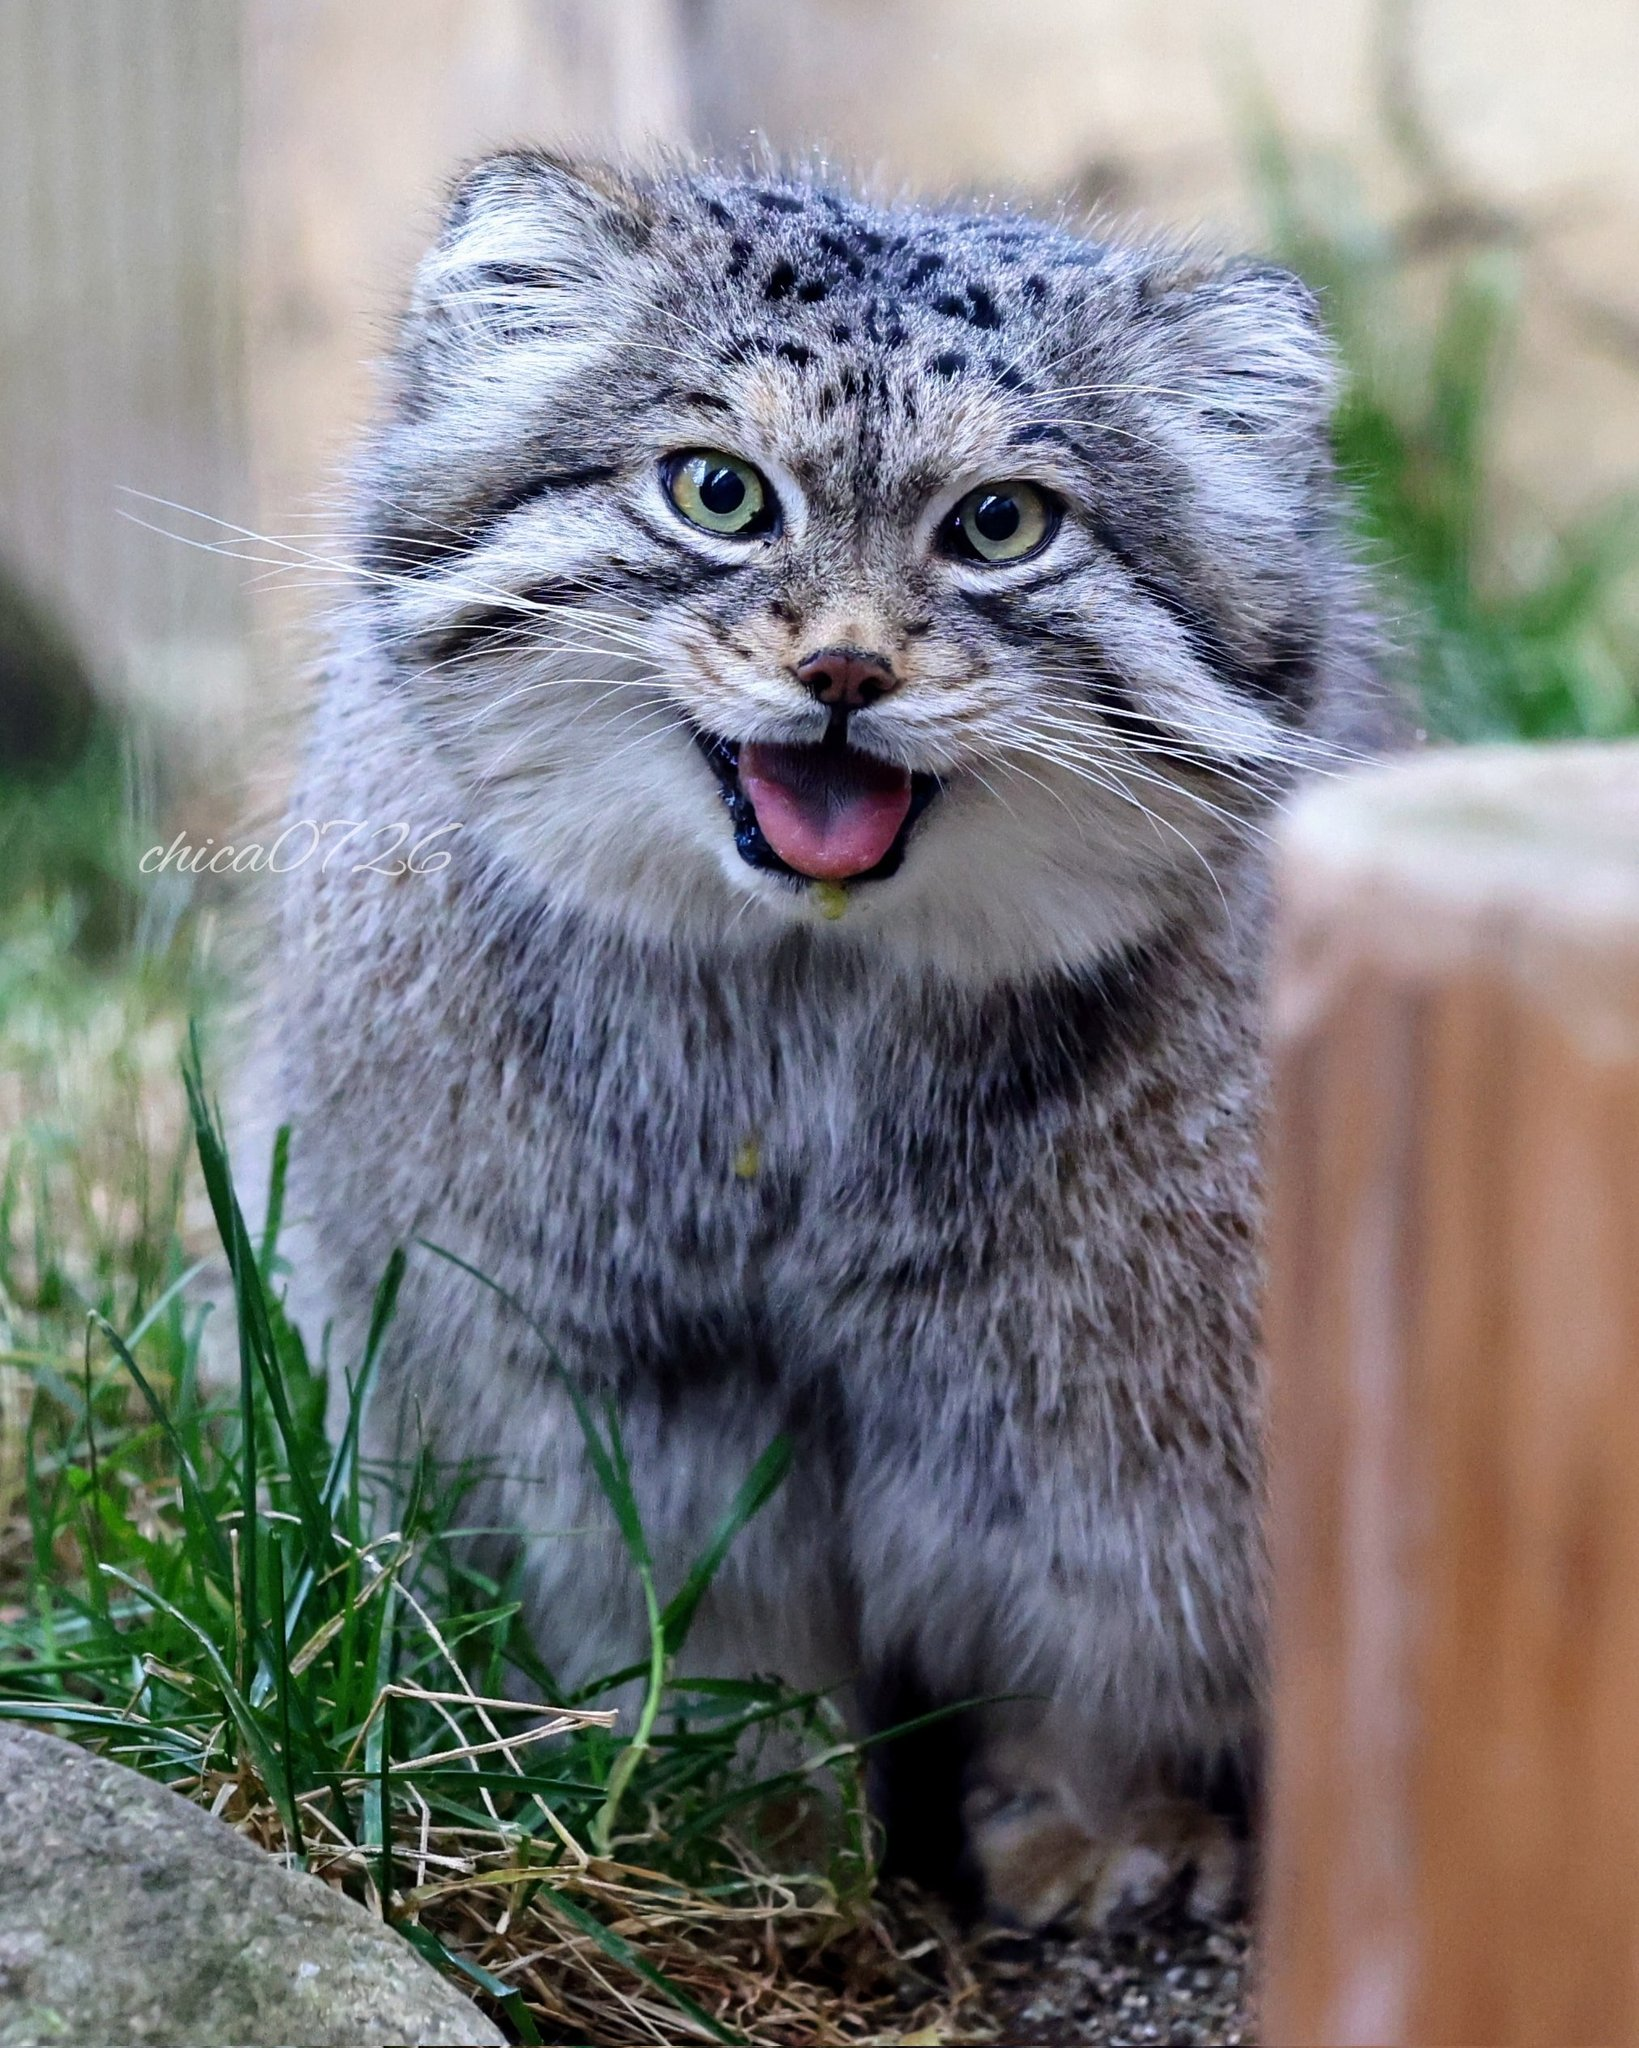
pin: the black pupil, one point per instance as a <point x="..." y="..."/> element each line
<point x="997" y="516"/>
<point x="722" y="491"/>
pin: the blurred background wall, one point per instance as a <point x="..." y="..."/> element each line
<point x="122" y="366"/>
<point x="208" y="209"/>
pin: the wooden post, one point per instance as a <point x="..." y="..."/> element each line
<point x="1454" y="1353"/>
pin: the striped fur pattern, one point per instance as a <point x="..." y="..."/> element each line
<point x="959" y="1188"/>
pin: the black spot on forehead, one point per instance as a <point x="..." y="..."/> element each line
<point x="977" y="308"/>
<point x="949" y="362"/>
<point x="882" y="324"/>
<point x="844" y="252"/>
<point x="807" y="247"/>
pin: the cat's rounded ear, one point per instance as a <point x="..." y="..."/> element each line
<point x="528" y="239"/>
<point x="1245" y="341"/>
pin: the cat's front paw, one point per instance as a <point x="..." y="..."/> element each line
<point x="1044" y="1866"/>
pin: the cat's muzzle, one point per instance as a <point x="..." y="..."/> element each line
<point x="824" y="812"/>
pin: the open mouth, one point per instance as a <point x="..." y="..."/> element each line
<point x="821" y="813"/>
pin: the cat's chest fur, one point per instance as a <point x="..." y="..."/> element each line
<point x="727" y="1153"/>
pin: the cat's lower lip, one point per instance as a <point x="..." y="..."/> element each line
<point x="752" y="842"/>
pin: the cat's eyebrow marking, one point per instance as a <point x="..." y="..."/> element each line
<point x="421" y="553"/>
<point x="571" y="479"/>
<point x="707" y="401"/>
<point x="1033" y="432"/>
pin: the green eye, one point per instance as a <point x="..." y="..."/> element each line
<point x="1001" y="522"/>
<point x="719" y="493"/>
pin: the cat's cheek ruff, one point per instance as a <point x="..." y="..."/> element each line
<point x="982" y="895"/>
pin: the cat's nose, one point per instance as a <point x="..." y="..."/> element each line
<point x="848" y="677"/>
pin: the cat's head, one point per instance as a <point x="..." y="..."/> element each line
<point x="752" y="556"/>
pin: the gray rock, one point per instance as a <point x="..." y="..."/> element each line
<point x="128" y="1916"/>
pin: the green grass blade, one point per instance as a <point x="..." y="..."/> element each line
<point x="278" y="1173"/>
<point x="622" y="1952"/>
<point x="202" y="1521"/>
<point x="378" y="1748"/>
<point x="283" y="1686"/>
<point x="258" y="1351"/>
<point x="427" y="1945"/>
<point x="755" y="1490"/>
<point x="244" y="1717"/>
<point x="381" y="1314"/>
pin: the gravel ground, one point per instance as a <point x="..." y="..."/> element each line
<point x="1173" y="1983"/>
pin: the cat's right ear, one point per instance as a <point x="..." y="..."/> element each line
<point x="529" y="242"/>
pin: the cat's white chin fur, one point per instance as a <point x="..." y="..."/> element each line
<point x="987" y="890"/>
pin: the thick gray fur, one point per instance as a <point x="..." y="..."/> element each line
<point x="959" y="1189"/>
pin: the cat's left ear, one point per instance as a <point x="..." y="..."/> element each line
<point x="1245" y="341"/>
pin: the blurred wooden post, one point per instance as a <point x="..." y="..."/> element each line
<point x="1454" y="1341"/>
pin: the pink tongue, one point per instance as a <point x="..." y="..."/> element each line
<point x="828" y="812"/>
